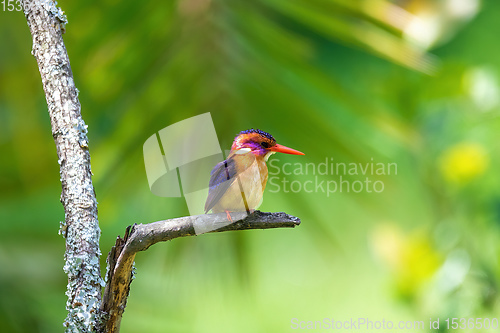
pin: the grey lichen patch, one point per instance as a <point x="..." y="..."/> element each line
<point x="62" y="228"/>
<point x="82" y="251"/>
<point x="51" y="7"/>
<point x="81" y="128"/>
<point x="84" y="283"/>
<point x="73" y="266"/>
<point x="134" y="271"/>
<point x="82" y="312"/>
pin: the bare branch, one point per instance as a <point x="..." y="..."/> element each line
<point x="81" y="227"/>
<point x="141" y="237"/>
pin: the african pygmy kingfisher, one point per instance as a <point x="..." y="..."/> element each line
<point x="238" y="183"/>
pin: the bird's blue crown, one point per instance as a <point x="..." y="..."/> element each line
<point x="258" y="131"/>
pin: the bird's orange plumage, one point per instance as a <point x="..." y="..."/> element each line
<point x="238" y="183"/>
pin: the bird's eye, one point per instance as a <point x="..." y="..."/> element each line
<point x="264" y="144"/>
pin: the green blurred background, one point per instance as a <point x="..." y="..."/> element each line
<point x="408" y="82"/>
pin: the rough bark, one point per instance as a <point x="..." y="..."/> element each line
<point x="141" y="237"/>
<point x="81" y="228"/>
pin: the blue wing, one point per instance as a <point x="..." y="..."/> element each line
<point x="222" y="177"/>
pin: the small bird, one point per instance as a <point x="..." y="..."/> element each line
<point x="238" y="183"/>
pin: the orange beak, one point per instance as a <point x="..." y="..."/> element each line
<point x="282" y="149"/>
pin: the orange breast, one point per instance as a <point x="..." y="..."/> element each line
<point x="245" y="193"/>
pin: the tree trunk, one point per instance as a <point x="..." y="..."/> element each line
<point x="81" y="227"/>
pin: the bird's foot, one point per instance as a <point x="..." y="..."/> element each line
<point x="229" y="216"/>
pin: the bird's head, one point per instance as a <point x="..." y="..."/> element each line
<point x="260" y="143"/>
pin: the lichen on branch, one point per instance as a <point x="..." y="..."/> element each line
<point x="81" y="228"/>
